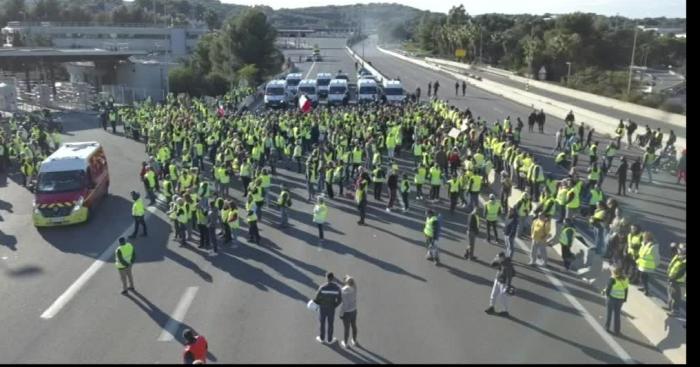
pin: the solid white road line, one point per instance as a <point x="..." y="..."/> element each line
<point x="74" y="288"/>
<point x="170" y="328"/>
<point x="609" y="340"/>
<point x="310" y="69"/>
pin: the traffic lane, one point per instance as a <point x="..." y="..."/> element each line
<point x="529" y="140"/>
<point x="46" y="261"/>
<point x="639" y="119"/>
<point x="102" y="326"/>
<point x="393" y="240"/>
<point x="664" y="219"/>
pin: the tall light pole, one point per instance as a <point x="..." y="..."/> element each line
<point x="634" y="48"/>
<point x="568" y="72"/>
<point x="481" y="46"/>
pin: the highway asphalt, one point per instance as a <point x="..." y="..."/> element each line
<point x="250" y="301"/>
<point x="639" y="118"/>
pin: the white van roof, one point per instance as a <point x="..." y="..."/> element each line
<point x="277" y="83"/>
<point x="392" y="84"/>
<point x="338" y="82"/>
<point x="294" y="76"/>
<point x="70" y="157"/>
<point x="366" y="82"/>
<point x="324" y="76"/>
<point x="308" y="82"/>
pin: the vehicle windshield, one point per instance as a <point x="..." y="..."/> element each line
<point x="368" y="90"/>
<point x="52" y="182"/>
<point x="293" y="82"/>
<point x="277" y="91"/>
<point x="337" y="90"/>
<point x="323" y="82"/>
<point x="393" y="91"/>
<point x="308" y="90"/>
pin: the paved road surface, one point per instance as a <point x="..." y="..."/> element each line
<point x="250" y="301"/>
<point x="641" y="120"/>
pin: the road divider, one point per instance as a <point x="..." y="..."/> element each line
<point x="366" y="65"/>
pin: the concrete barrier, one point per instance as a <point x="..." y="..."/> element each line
<point x="367" y="66"/>
<point x="602" y="123"/>
<point x="653" y="113"/>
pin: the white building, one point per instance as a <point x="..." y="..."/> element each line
<point x="175" y="41"/>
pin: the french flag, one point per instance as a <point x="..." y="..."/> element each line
<point x="304" y="104"/>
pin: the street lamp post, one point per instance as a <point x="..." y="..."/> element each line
<point x="568" y="72"/>
<point x="634" y="48"/>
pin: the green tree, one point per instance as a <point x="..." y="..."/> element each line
<point x="250" y="39"/>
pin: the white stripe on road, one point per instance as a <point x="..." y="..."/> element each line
<point x="173" y="324"/>
<point x="612" y="343"/>
<point x="74" y="288"/>
<point x="309" y="72"/>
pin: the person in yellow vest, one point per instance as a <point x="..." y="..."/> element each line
<point x="648" y="260"/>
<point x="435" y="175"/>
<point x="523" y="207"/>
<point x="419" y="180"/>
<point x="151" y="182"/>
<point x="429" y="230"/>
<point x="223" y="179"/>
<point x="634" y="243"/>
<point x="124" y="257"/>
<point x="492" y="210"/>
<point x="616" y="294"/>
<point x="284" y="201"/>
<point x="566" y="239"/>
<point x="231" y="223"/>
<point x="676" y="278"/>
<point x="266" y="182"/>
<point x="597" y="222"/>
<point x="404" y="188"/>
<point x="28" y="170"/>
<point x="138" y="211"/>
<point x="252" y="220"/>
<point x="453" y="186"/>
<point x="540" y="233"/>
<point x="361" y="199"/>
<point x="320" y="214"/>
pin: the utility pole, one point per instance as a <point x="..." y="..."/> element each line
<point x="634" y="47"/>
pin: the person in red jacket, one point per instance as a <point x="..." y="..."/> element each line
<point x="196" y="347"/>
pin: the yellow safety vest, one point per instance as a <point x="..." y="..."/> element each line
<point x="618" y="288"/>
<point x="492" y="209"/>
<point x="127" y="251"/>
<point x="428" y="230"/>
<point x="320" y="213"/>
<point x="646" y="262"/>
<point x="674" y="267"/>
<point x="634" y="242"/>
<point x="137" y="209"/>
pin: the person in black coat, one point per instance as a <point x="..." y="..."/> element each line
<point x="622" y="177"/>
<point x="540" y="121"/>
<point x="636" y="169"/>
<point x="328" y="297"/>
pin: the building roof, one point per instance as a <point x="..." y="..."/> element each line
<point x="70" y="157"/>
<point x="47" y="52"/>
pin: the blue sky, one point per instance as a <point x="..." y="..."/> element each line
<point x="628" y="8"/>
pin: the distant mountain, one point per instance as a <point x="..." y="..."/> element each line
<point x="367" y="16"/>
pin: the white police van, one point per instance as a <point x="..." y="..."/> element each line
<point x="322" y="82"/>
<point x="276" y="94"/>
<point x="393" y="91"/>
<point x="308" y="87"/>
<point x="338" y="92"/>
<point x="293" y="80"/>
<point x="367" y="91"/>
